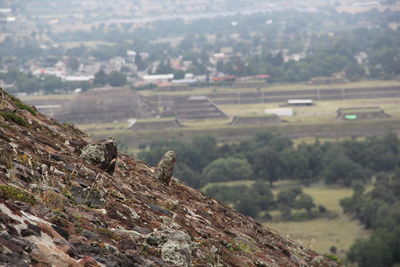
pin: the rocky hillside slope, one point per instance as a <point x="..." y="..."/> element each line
<point x="58" y="209"/>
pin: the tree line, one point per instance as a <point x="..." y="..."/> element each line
<point x="378" y="210"/>
<point x="270" y="157"/>
<point x="49" y="84"/>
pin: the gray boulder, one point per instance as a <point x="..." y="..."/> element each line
<point x="176" y="246"/>
<point x="101" y="153"/>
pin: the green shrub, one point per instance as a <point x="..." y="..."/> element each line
<point x="10" y="116"/>
<point x="25" y="107"/>
<point x="334" y="258"/>
<point x="16" y="194"/>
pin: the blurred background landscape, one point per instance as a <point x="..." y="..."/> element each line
<point x="288" y="111"/>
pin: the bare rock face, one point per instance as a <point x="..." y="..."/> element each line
<point x="165" y="168"/>
<point x="102" y="153"/>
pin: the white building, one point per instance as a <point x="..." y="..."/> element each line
<point x="158" y="77"/>
<point x="79" y="78"/>
<point x="300" y="102"/>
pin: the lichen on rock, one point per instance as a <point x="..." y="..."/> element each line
<point x="177" y="252"/>
<point x="93" y="153"/>
<point x="102" y="153"/>
<point x="175" y="245"/>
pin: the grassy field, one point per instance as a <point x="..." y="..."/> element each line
<point x="322" y="234"/>
<point x="226" y="133"/>
<point x="92" y="128"/>
<point x="47" y="97"/>
<point x="273" y="87"/>
<point x="319" y="110"/>
<point x="311" y="140"/>
<point x="318" y="234"/>
<point x="219" y="90"/>
<point x="307" y="123"/>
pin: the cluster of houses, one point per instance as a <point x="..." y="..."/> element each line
<point x="89" y="67"/>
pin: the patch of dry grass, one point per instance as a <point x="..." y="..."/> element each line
<point x="321" y="234"/>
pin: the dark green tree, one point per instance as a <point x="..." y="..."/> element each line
<point x="116" y="78"/>
<point x="188" y="176"/>
<point x="73" y="63"/>
<point x="100" y="78"/>
<point x="227" y="169"/>
<point x="248" y="206"/>
<point x="286" y="199"/>
<point x="268" y="164"/>
<point x="343" y="170"/>
<point x="304" y="201"/>
<point x="371" y="253"/>
<point x="50" y="83"/>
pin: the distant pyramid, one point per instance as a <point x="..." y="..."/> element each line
<point x="105" y="105"/>
<point x="194" y="107"/>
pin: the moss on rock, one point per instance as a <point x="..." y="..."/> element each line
<point x="25" y="107"/>
<point x="13" y="117"/>
<point x="16" y="194"/>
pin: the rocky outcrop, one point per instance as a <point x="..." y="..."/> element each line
<point x="58" y="209"/>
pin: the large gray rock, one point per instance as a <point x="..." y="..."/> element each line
<point x="101" y="153"/>
<point x="165" y="168"/>
<point x="176" y="246"/>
